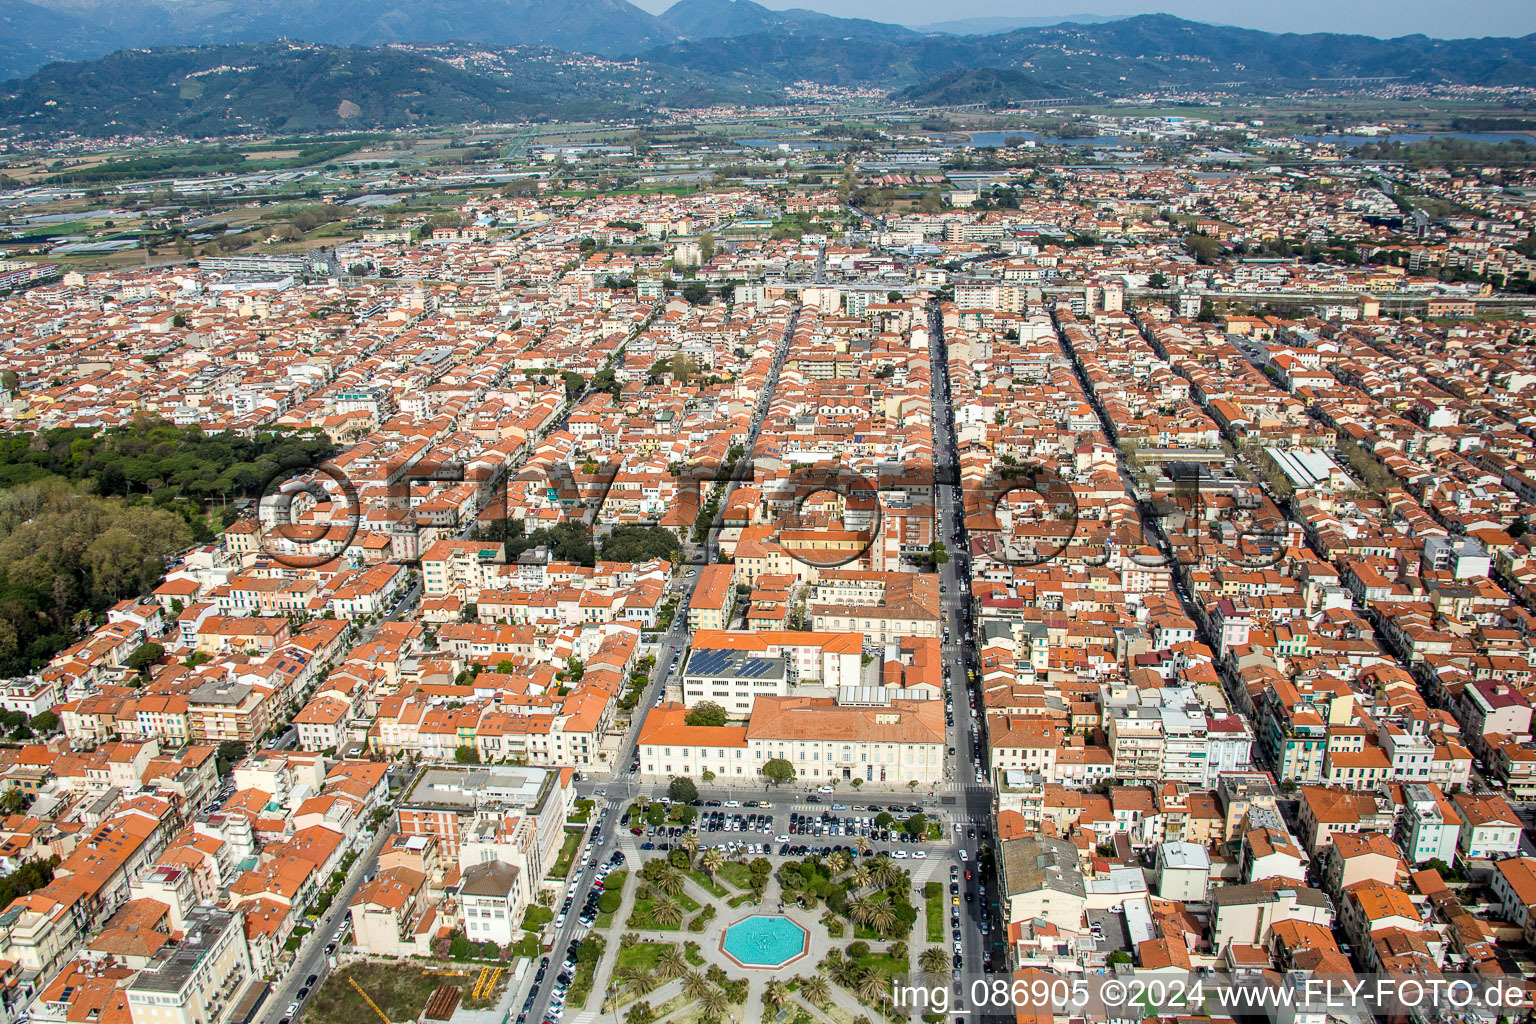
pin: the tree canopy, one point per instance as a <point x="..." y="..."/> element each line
<point x="640" y="544"/>
<point x="151" y="455"/>
<point x="66" y="557"/>
<point x="31" y="875"/>
<point x="706" y="713"/>
<point x="778" y="771"/>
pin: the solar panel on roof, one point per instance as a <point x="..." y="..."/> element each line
<point x="719" y="661"/>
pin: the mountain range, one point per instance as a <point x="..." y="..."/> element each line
<point x="234" y="66"/>
<point x="991" y="26"/>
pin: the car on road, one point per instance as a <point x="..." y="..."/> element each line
<point x="293" y="1008"/>
<point x="965" y="856"/>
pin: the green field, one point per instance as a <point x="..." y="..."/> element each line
<point x="738" y="875"/>
<point x="933" y="896"/>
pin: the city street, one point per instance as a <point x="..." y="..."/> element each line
<point x="967" y="734"/>
<point x="670" y="649"/>
<point x="311" y="958"/>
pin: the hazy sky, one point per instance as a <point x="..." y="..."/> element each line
<point x="1368" y="17"/>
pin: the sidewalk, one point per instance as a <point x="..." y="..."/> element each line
<point x="602" y="977"/>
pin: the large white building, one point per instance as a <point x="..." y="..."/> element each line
<point x="831" y="659"/>
<point x="732" y="679"/>
<point x="491" y="900"/>
<point x="198" y="980"/>
<point x="897" y="743"/>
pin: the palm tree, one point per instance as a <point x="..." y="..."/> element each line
<point x="669" y="881"/>
<point x="869" y="985"/>
<point x="860" y="876"/>
<point x="713" y="1004"/>
<point x="884" y="872"/>
<point x="713" y="860"/>
<point x="934" y="961"/>
<point x="837" y="863"/>
<point x="671" y="963"/>
<point x="775" y="996"/>
<point x="667" y="912"/>
<point x="816" y="990"/>
<point x="861" y="844"/>
<point x="690" y="844"/>
<point x="694" y="985"/>
<point x="861" y="909"/>
<point x="840" y="970"/>
<point x="637" y="980"/>
<point x="882" y="917"/>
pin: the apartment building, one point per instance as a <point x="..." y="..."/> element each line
<point x="1428" y="827"/>
<point x="884" y="607"/>
<point x="386" y="912"/>
<point x="460" y="805"/>
<point x="714" y="598"/>
<point x="1489" y="826"/>
<point x="492" y="896"/>
<point x="218" y="711"/>
<point x="455" y="567"/>
<point x="1135" y="738"/>
<point x="197" y="980"/>
<point x="1041" y="878"/>
<point x="1514" y="887"/>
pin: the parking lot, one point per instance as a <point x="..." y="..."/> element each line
<point x="899" y="830"/>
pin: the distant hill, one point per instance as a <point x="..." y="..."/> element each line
<point x="718" y="19"/>
<point x="992" y="26"/>
<point x="288" y="88"/>
<point x="992" y="86"/>
<point x="31" y="36"/>
<point x="1136" y="54"/>
<point x="91" y="28"/>
<point x="239" y="87"/>
<point x="1225" y="54"/>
